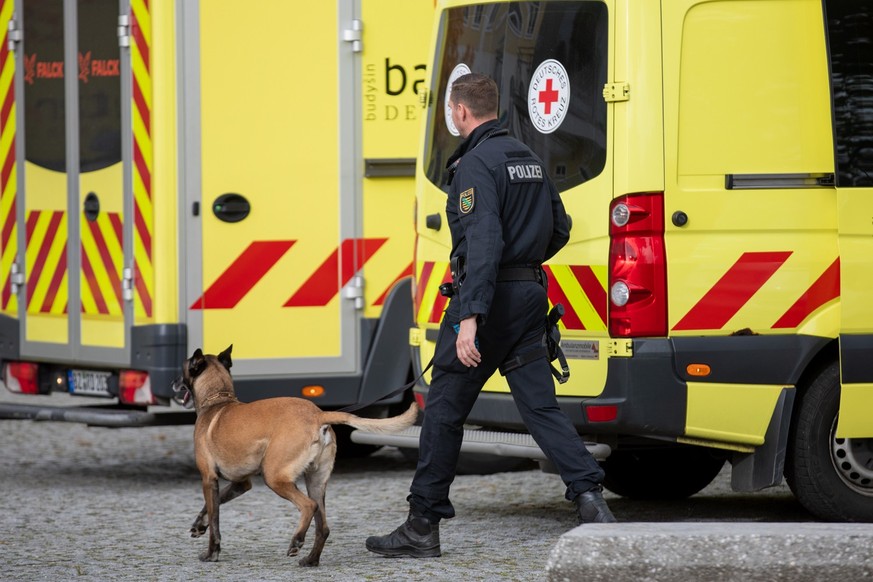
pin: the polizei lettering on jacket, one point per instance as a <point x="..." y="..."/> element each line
<point x="524" y="173"/>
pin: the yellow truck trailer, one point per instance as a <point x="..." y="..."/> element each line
<point x="194" y="174"/>
<point x="716" y="161"/>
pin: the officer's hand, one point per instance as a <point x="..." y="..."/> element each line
<point x="466" y="343"/>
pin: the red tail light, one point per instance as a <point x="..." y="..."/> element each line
<point x="637" y="266"/>
<point x="21" y="377"/>
<point x="134" y="387"/>
<point x="601" y="413"/>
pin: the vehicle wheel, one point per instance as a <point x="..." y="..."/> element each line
<point x="831" y="477"/>
<point x="346" y="448"/>
<point x="674" y="473"/>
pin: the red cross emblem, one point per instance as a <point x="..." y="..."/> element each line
<point x="548" y="97"/>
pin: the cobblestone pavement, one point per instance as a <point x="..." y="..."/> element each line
<point x="82" y="503"/>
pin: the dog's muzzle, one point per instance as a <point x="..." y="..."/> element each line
<point x="182" y="393"/>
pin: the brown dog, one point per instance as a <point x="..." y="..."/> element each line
<point x="280" y="438"/>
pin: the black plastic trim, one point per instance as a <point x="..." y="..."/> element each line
<point x="387" y="367"/>
<point x="10" y="338"/>
<point x="389" y="167"/>
<point x="339" y="390"/>
<point x="748" y="359"/>
<point x="159" y="350"/>
<point x="648" y="379"/>
<point x="855" y="358"/>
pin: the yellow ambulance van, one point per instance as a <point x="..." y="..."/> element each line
<point x="716" y="161"/>
<point x="184" y="174"/>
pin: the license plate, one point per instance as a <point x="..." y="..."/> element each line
<point x="89" y="382"/>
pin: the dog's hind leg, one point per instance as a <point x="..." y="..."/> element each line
<point x="285" y="487"/>
<point x="230" y="492"/>
<point x="316" y="477"/>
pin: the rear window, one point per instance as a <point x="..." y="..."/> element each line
<point x="99" y="84"/>
<point x="44" y="93"/>
<point x="549" y="60"/>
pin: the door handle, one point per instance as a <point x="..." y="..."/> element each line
<point x="231" y="207"/>
<point x="91" y="206"/>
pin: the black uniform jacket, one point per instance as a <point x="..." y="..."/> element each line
<point x="503" y="211"/>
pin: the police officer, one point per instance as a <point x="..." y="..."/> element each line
<point x="506" y="218"/>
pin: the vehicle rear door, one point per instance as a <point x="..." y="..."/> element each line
<point x="851" y="67"/>
<point x="272" y="103"/>
<point x="74" y="205"/>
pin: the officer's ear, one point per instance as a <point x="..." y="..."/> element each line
<point x="463" y="112"/>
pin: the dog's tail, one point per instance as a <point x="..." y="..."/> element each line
<point x="392" y="424"/>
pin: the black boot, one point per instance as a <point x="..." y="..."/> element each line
<point x="591" y="508"/>
<point x="416" y="538"/>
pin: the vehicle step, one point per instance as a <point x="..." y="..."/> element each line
<point x="94" y="416"/>
<point x="505" y="444"/>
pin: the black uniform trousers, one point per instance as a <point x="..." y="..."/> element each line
<point x="515" y="324"/>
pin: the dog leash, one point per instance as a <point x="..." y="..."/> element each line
<point x="392" y="394"/>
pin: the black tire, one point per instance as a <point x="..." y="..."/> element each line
<point x="661" y="474"/>
<point x="832" y="478"/>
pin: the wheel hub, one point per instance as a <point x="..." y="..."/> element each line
<point x="853" y="459"/>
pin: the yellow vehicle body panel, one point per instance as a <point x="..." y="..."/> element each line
<point x="717" y="108"/>
<point x="46" y="326"/>
<point x="101" y="244"/>
<point x="392" y="114"/>
<point x="258" y="326"/>
<point x="165" y="157"/>
<point x="736" y="78"/>
<point x="729" y="412"/>
<point x="856" y="402"/>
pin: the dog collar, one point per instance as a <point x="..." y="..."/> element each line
<point x="217" y="395"/>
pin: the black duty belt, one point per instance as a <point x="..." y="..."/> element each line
<point x="503" y="274"/>
<point x="520" y="274"/>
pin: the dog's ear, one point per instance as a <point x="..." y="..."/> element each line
<point x="196" y="364"/>
<point x="224" y="357"/>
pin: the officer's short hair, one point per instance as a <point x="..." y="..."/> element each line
<point x="477" y="92"/>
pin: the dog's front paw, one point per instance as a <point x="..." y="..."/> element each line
<point x="294" y="548"/>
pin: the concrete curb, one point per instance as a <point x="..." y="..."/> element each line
<point x="746" y="552"/>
